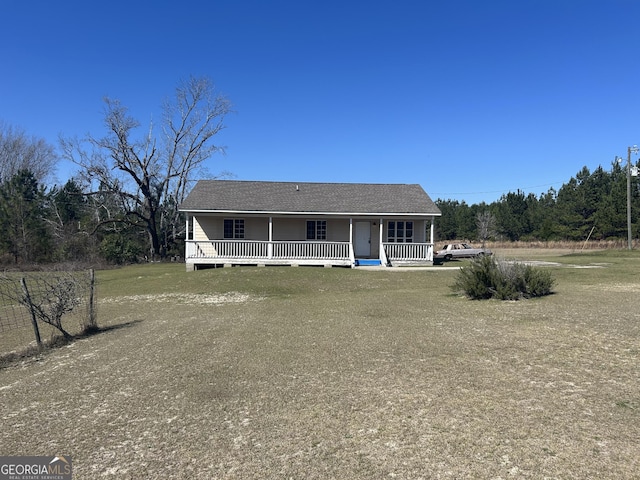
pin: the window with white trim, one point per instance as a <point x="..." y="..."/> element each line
<point x="400" y="232"/>
<point x="233" y="228"/>
<point x="316" y="229"/>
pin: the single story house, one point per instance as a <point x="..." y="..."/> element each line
<point x="231" y="222"/>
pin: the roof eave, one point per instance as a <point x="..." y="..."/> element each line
<point x="286" y="213"/>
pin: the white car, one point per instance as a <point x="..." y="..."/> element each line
<point x="461" y="250"/>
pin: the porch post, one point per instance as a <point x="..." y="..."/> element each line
<point x="431" y="233"/>
<point x="432" y="240"/>
<point x="186" y="236"/>
<point x="352" y="255"/>
<point x="383" y="254"/>
<point x="270" y="244"/>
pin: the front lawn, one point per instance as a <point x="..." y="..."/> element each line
<point x="317" y="373"/>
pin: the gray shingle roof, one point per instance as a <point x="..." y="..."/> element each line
<point x="292" y="197"/>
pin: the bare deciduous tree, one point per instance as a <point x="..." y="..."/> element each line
<point x="19" y="152"/>
<point x="150" y="178"/>
<point x="486" y="225"/>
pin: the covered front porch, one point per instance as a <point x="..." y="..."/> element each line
<point x="386" y="242"/>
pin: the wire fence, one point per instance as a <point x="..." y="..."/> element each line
<point x="34" y="306"/>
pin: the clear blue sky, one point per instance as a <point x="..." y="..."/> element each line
<point x="469" y="98"/>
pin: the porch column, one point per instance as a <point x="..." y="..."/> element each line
<point x="270" y="244"/>
<point x="351" y="231"/>
<point x="383" y="255"/>
<point x="432" y="240"/>
<point x="352" y="255"/>
<point x="431" y="233"/>
<point x="186" y="237"/>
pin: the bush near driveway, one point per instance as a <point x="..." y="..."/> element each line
<point x="486" y="277"/>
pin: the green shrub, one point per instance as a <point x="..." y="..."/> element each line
<point x="119" y="250"/>
<point x="486" y="277"/>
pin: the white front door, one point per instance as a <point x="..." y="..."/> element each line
<point x="362" y="242"/>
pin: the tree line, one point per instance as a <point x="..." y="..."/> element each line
<point x="592" y="204"/>
<point x="122" y="204"/>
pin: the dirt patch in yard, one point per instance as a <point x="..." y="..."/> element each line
<point x="542" y="263"/>
<point x="183" y="298"/>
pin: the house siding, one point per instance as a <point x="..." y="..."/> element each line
<point x="210" y="228"/>
<point x="284" y="229"/>
<point x="289" y="229"/>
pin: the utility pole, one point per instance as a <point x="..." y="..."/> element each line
<point x="633" y="149"/>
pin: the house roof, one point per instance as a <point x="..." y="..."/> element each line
<point x="320" y="198"/>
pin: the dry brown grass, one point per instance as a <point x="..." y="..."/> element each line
<point x="332" y="373"/>
<point x="538" y="247"/>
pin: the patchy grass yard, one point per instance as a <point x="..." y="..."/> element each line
<point x="312" y="373"/>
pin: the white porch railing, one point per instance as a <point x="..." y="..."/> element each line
<point x="265" y="250"/>
<point x="244" y="249"/>
<point x="408" y="252"/>
<point x="311" y="250"/>
<point x="247" y="251"/>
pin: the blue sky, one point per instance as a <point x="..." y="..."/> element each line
<point x="469" y="98"/>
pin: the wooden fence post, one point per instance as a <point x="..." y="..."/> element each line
<point x="92" y="310"/>
<point x="34" y="320"/>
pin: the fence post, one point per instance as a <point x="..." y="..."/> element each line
<point x="34" y="321"/>
<point x="92" y="309"/>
